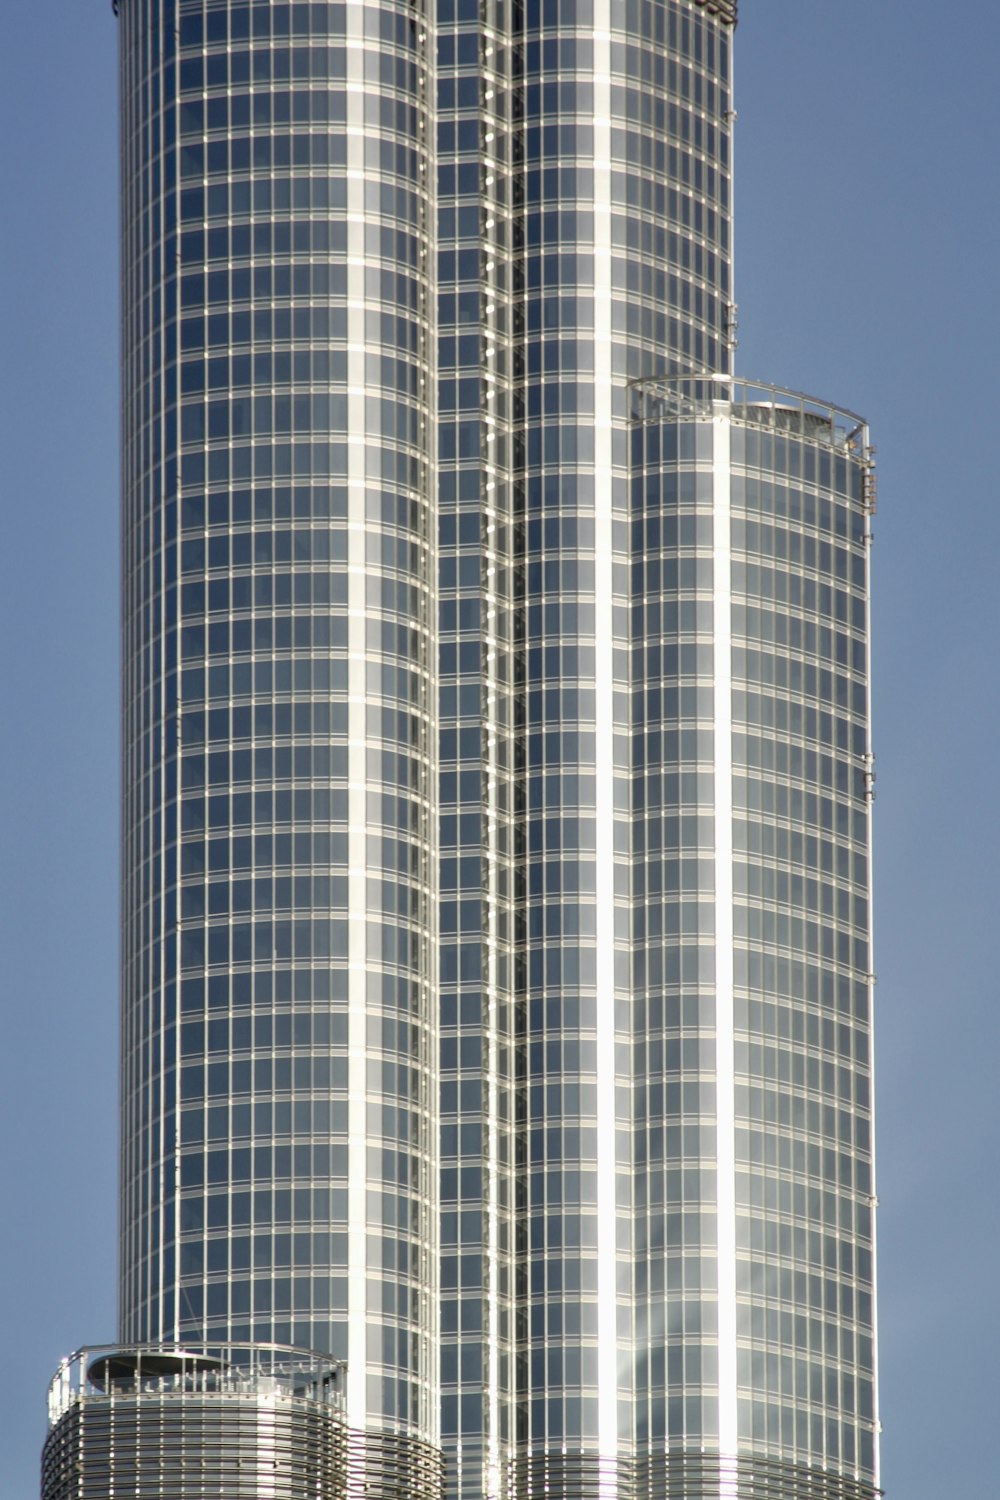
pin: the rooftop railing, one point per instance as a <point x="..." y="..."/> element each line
<point x="753" y="401"/>
<point x="725" y="9"/>
<point x="134" y="1371"/>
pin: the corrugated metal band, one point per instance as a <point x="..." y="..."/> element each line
<point x="567" y="1476"/>
<point x="724" y="9"/>
<point x="392" y="1466"/>
<point x="676" y="1476"/>
<point x="697" y="1476"/>
<point x="184" y="1447"/>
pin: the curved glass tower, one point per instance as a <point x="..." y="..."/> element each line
<point x="584" y="234"/>
<point x="752" y="1190"/>
<point x="279" y="1168"/>
<point x="497" y="769"/>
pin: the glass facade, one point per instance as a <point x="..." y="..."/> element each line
<point x="751" y="934"/>
<point x="279" y="1170"/>
<point x="496" y="974"/>
<point x="584" y="232"/>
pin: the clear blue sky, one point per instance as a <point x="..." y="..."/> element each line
<point x="868" y="241"/>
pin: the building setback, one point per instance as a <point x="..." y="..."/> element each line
<point x="154" y="1424"/>
<point x="496" y="1011"/>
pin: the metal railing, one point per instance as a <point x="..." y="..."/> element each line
<point x="756" y="402"/>
<point x="111" y="1372"/>
<point x="724" y="9"/>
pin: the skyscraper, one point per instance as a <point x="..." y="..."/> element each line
<point x="497" y="770"/>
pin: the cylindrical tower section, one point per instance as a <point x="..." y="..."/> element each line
<point x="802" y="498"/>
<point x="150" y="1422"/>
<point x="626" y="273"/>
<point x="751" y="944"/>
<point x="279" y="1176"/>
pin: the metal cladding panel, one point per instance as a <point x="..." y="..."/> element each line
<point x="680" y="1475"/>
<point x="185" y="1446"/>
<point x="391" y="1465"/>
<point x="703" y="1476"/>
